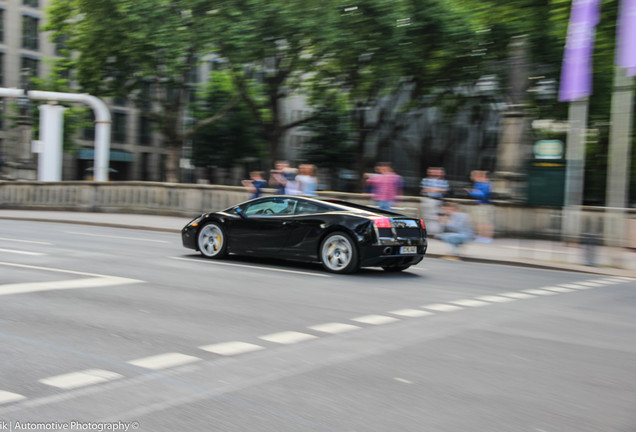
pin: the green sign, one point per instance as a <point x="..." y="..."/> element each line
<point x="548" y="149"/>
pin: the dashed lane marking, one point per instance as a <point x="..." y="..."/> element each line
<point x="287" y="337"/>
<point x="572" y="286"/>
<point x="8" y="397"/>
<point x="470" y="303"/>
<point x="200" y="261"/>
<point x="164" y="361"/>
<point x="80" y="379"/>
<point x="231" y="348"/>
<point x="441" y="307"/>
<point x="517" y="295"/>
<point x="334" y="328"/>
<point x="26" y="241"/>
<point x="495" y="299"/>
<point x="117" y="237"/>
<point x="375" y="319"/>
<point x="28" y="287"/>
<point x="589" y="284"/>
<point x="411" y="313"/>
<point x="558" y="289"/>
<point x="21" y="252"/>
<point x="540" y="292"/>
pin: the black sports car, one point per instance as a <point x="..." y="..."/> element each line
<point x="343" y="236"/>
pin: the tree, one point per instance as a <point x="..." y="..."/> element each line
<point x="119" y="47"/>
<point x="230" y="139"/>
<point x="271" y="47"/>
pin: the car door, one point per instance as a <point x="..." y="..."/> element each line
<point x="261" y="228"/>
<point x="304" y="230"/>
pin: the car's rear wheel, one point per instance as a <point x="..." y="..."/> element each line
<point x="211" y="241"/>
<point x="395" y="268"/>
<point x="339" y="253"/>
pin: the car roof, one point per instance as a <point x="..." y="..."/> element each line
<point x="335" y="204"/>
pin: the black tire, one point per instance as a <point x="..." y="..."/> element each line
<point x="212" y="241"/>
<point x="339" y="253"/>
<point x="395" y="268"/>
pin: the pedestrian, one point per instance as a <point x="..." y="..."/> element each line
<point x="434" y="188"/>
<point x="279" y="176"/>
<point x="456" y="227"/>
<point x="255" y="184"/>
<point x="484" y="212"/>
<point x="386" y="186"/>
<point x="306" y="179"/>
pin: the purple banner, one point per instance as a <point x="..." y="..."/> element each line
<point x="576" y="75"/>
<point x="626" y="36"/>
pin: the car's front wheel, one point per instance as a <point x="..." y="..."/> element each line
<point x="339" y="253"/>
<point x="211" y="241"/>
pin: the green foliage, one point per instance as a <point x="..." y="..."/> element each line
<point x="330" y="145"/>
<point x="230" y="139"/>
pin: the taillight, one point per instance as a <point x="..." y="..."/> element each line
<point x="382" y="222"/>
<point x="422" y="224"/>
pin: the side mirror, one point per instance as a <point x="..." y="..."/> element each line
<point x="240" y="212"/>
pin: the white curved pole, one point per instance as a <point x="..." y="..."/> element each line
<point x="102" y="121"/>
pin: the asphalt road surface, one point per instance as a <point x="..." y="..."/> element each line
<point x="116" y="329"/>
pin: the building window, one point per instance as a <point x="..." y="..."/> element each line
<point x="1" y="69"/>
<point x="120" y="101"/>
<point x="30" y="32"/>
<point x="31" y="3"/>
<point x="1" y="25"/>
<point x="144" y="101"/>
<point x="145" y="131"/>
<point x="119" y="127"/>
<point x="61" y="44"/>
<point x="32" y="64"/>
<point x="88" y="132"/>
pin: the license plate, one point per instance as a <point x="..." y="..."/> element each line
<point x="408" y="249"/>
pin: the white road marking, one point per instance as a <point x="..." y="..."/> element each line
<point x="287" y="337"/>
<point x="516" y="295"/>
<point x="589" y="284"/>
<point x="578" y="286"/>
<point x="604" y="282"/>
<point x="117" y="237"/>
<point x="21" y="252"/>
<point x="411" y="313"/>
<point x="231" y="348"/>
<point x="80" y="379"/>
<point x="559" y="289"/>
<point x="50" y="269"/>
<point x="201" y="261"/>
<point x="334" y="328"/>
<point x="441" y="307"/>
<point x="164" y="361"/>
<point x="539" y="292"/>
<point x="7" y="397"/>
<point x="470" y="303"/>
<point x="26" y="241"/>
<point x="375" y="319"/>
<point x="28" y="287"/>
<point x="495" y="299"/>
<point x="572" y="286"/>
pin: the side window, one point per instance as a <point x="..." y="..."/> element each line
<point x="271" y="207"/>
<point x="305" y="207"/>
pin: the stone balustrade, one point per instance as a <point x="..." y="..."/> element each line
<point x="190" y="200"/>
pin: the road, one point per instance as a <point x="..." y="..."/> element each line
<point x="125" y="328"/>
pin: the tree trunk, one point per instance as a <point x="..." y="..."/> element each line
<point x="172" y="162"/>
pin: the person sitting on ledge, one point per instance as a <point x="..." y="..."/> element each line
<point x="457" y="229"/>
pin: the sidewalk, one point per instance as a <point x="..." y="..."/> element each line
<point x="530" y="253"/>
